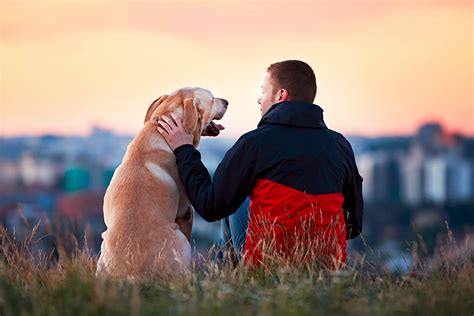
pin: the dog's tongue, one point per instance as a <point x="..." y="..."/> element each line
<point x="219" y="127"/>
<point x="212" y="129"/>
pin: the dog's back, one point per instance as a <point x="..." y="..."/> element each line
<point x="140" y="208"/>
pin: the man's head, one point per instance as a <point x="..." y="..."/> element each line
<point x="287" y="80"/>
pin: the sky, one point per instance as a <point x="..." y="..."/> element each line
<point x="382" y="67"/>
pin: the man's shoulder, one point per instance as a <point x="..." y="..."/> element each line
<point x="253" y="136"/>
<point x="336" y="133"/>
<point x="340" y="139"/>
<point x="249" y="141"/>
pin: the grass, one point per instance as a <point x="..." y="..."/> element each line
<point x="34" y="283"/>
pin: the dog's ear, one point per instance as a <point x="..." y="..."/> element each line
<point x="153" y="107"/>
<point x="198" y="131"/>
<point x="190" y="115"/>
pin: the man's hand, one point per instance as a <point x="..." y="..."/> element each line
<point x="173" y="131"/>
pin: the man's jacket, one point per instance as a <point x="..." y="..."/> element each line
<point x="301" y="178"/>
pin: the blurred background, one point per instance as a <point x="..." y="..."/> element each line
<point x="395" y="77"/>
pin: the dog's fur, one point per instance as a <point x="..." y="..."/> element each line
<point x="146" y="210"/>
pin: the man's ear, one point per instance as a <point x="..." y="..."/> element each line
<point x="153" y="107"/>
<point x="190" y="115"/>
<point x="282" y="95"/>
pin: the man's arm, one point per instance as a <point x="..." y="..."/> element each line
<point x="233" y="179"/>
<point x="353" y="201"/>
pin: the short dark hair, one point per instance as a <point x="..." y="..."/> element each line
<point x="296" y="77"/>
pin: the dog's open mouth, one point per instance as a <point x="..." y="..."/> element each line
<point x="212" y="129"/>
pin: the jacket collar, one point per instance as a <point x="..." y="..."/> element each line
<point x="294" y="113"/>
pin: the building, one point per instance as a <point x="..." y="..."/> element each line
<point x="412" y="176"/>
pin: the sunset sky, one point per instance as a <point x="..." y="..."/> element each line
<point x="383" y="67"/>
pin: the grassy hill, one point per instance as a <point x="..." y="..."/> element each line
<point x="34" y="284"/>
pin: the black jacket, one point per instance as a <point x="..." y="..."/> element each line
<point x="293" y="149"/>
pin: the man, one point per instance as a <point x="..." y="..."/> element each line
<point x="304" y="187"/>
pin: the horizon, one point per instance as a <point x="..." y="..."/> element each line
<point x="383" y="68"/>
<point x="89" y="133"/>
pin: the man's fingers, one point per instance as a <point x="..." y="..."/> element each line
<point x="177" y="120"/>
<point x="168" y="120"/>
<point x="165" y="126"/>
<point x="162" y="131"/>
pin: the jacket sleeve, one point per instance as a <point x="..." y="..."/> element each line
<point x="352" y="190"/>
<point x="233" y="179"/>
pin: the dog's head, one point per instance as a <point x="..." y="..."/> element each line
<point x="197" y="108"/>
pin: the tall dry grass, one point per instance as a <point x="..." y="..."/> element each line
<point x="63" y="282"/>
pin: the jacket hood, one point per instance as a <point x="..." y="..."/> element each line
<point x="295" y="114"/>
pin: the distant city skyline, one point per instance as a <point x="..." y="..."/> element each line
<point x="225" y="136"/>
<point x="431" y="165"/>
<point x="383" y="67"/>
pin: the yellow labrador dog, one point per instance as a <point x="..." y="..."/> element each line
<point x="146" y="210"/>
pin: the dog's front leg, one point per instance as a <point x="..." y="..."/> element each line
<point x="185" y="223"/>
